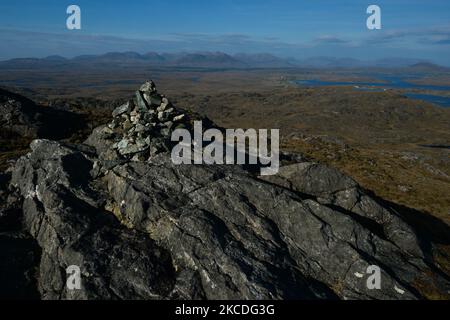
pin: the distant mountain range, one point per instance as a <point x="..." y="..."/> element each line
<point x="214" y="60"/>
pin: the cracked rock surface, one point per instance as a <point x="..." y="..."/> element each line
<point x="140" y="227"/>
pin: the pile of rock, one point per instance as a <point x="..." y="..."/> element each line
<point x="145" y="123"/>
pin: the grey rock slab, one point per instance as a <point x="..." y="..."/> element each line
<point x="72" y="229"/>
<point x="140" y="101"/>
<point x="125" y="108"/>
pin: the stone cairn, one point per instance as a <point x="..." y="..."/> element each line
<point x="144" y="124"/>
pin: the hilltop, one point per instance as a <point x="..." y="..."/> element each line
<point x="140" y="227"/>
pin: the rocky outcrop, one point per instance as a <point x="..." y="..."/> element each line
<point x="19" y="252"/>
<point x="21" y="117"/>
<point x="140" y="227"/>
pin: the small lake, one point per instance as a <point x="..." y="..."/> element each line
<point x="390" y="82"/>
<point x="439" y="100"/>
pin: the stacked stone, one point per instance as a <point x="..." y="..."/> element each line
<point x="145" y="124"/>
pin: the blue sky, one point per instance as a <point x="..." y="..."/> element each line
<point x="295" y="28"/>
